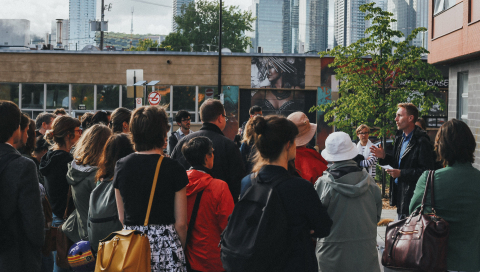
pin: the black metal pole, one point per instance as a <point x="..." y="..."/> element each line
<point x="220" y="51"/>
<point x="101" y="32"/>
<point x="134" y="91"/>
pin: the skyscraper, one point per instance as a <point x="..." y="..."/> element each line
<point x="81" y="12"/>
<point x="349" y="22"/>
<point x="290" y="26"/>
<point x="177" y="11"/>
<point x="410" y="14"/>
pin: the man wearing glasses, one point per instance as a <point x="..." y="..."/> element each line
<point x="183" y="119"/>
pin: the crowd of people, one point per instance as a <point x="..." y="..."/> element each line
<point x="94" y="176"/>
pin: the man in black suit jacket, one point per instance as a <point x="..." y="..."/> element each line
<point x="21" y="213"/>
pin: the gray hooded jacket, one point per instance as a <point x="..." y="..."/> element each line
<point x="354" y="203"/>
<point x="82" y="180"/>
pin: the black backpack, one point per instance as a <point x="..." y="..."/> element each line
<point x="256" y="237"/>
<point x="4" y="233"/>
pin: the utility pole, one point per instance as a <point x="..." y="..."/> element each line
<point x="131" y="32"/>
<point x="220" y="51"/>
<point x="101" y="32"/>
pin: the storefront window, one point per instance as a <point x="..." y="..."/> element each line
<point x="107" y="97"/>
<point x="82" y="95"/>
<point x="57" y="96"/>
<point x="164" y="92"/>
<point x="203" y="91"/>
<point x="184" y="98"/>
<point x="32" y="96"/>
<point x="9" y="91"/>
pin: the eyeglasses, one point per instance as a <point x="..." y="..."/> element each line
<point x="226" y="118"/>
<point x="79" y="131"/>
<point x="186" y="120"/>
<point x="363" y="133"/>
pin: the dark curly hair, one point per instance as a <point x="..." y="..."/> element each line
<point x="455" y="143"/>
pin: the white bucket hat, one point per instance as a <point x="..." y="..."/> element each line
<point x="339" y="147"/>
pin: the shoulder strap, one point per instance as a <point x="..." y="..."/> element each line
<point x="193" y="217"/>
<point x="429" y="182"/>
<point x="69" y="195"/>
<point x="152" y="193"/>
<point x="432" y="181"/>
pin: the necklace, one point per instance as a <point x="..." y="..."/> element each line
<point x="281" y="96"/>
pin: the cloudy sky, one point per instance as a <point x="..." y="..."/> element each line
<point x="150" y="16"/>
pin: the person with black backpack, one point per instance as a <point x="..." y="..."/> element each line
<point x="272" y="226"/>
<point x="21" y="214"/>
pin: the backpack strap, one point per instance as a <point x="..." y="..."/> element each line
<point x="193" y="217"/>
<point x="152" y="193"/>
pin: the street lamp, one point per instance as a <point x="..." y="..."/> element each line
<point x="220" y="51"/>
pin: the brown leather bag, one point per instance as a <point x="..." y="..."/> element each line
<point x="418" y="242"/>
<point x="63" y="244"/>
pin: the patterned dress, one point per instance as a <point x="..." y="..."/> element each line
<point x="167" y="252"/>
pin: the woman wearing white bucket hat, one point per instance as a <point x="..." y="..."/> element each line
<point x="354" y="203"/>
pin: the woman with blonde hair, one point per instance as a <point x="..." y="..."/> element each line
<point x="247" y="149"/>
<point x="81" y="177"/>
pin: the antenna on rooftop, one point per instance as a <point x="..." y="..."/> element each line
<point x="131" y="32"/>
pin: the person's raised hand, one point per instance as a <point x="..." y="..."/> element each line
<point x="378" y="152"/>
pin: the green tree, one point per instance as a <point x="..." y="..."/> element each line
<point x="370" y="72"/>
<point x="144" y="44"/>
<point x="199" y="24"/>
<point x="176" y="41"/>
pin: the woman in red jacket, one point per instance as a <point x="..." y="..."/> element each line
<point x="216" y="204"/>
<point x="309" y="163"/>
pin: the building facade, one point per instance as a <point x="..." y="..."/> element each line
<point x="65" y="32"/>
<point x="14" y="32"/>
<point x="81" y="12"/>
<point x="410" y="14"/>
<point x="349" y="22"/>
<point x="453" y="40"/>
<point x="177" y="11"/>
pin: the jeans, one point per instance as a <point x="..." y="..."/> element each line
<point x="57" y="221"/>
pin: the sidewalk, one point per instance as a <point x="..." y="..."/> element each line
<point x="392" y="214"/>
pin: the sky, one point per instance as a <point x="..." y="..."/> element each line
<point x="150" y="16"/>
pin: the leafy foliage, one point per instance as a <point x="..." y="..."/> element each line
<point x="176" y="41"/>
<point x="199" y="24"/>
<point x="144" y="44"/>
<point x="370" y="72"/>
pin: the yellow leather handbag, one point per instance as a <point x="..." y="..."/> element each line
<point x="127" y="250"/>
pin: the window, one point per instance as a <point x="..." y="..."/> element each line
<point x="462" y="100"/>
<point x="184" y="98"/>
<point x="57" y="96"/>
<point x="32" y="96"/>
<point x="107" y="97"/>
<point x="82" y="95"/>
<point x="441" y="5"/>
<point x="9" y="91"/>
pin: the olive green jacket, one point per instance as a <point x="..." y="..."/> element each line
<point x="457" y="201"/>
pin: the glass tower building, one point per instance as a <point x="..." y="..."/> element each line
<point x="177" y="11"/>
<point x="410" y="14"/>
<point x="81" y="12"/>
<point x="349" y="22"/>
<point x="290" y="26"/>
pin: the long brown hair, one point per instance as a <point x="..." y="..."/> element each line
<point x="118" y="146"/>
<point x="90" y="146"/>
<point x="249" y="133"/>
<point x="31" y="139"/>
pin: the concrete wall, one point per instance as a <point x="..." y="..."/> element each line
<point x="14" y="32"/>
<point x="108" y="68"/>
<point x="473" y="69"/>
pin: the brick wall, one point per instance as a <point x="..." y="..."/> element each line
<point x="473" y="69"/>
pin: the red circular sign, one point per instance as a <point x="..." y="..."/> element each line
<point x="154" y="98"/>
<point x="209" y="92"/>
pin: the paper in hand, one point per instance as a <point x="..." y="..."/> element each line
<point x="386" y="167"/>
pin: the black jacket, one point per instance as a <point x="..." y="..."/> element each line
<point x="21" y="213"/>
<point x="172" y="142"/>
<point x="54" y="168"/>
<point x="417" y="158"/>
<point x="227" y="163"/>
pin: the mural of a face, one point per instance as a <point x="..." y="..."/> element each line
<point x="273" y="72"/>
